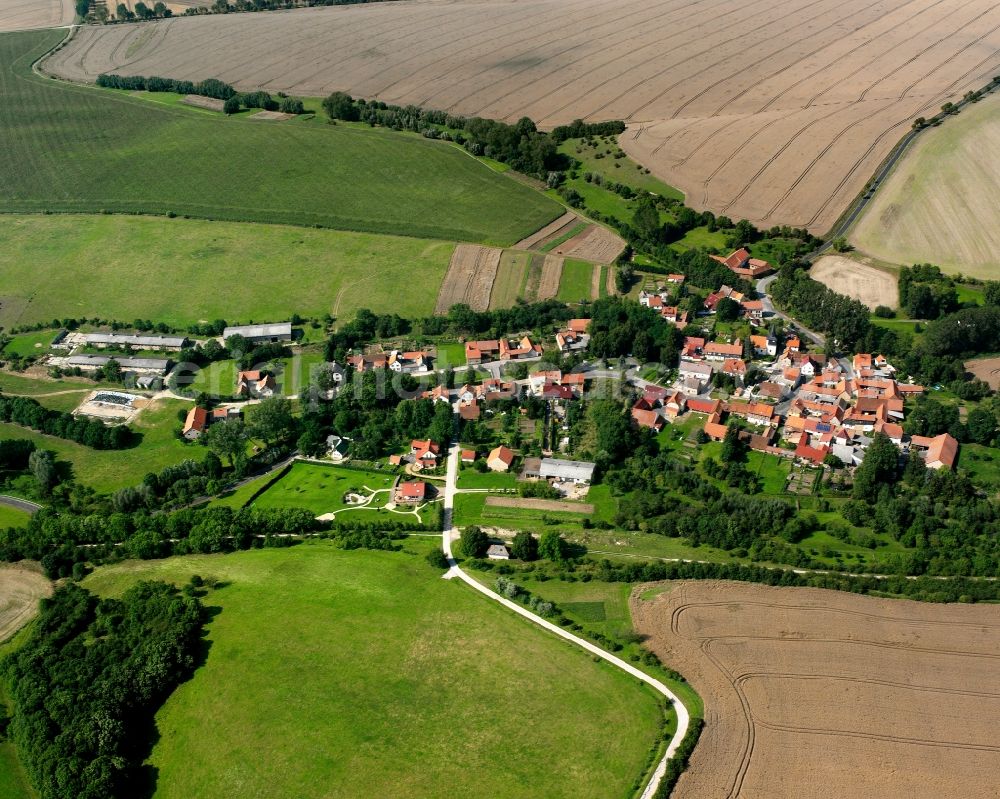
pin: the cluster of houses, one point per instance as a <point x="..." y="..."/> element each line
<point x="742" y="264"/>
<point x="198" y="419"/>
<point x="809" y="407"/>
<point x="480" y="352"/>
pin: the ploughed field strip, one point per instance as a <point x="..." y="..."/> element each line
<point x="871" y="286"/>
<point x="595" y="243"/>
<point x="548" y="286"/>
<point x="470" y="278"/>
<point x="773" y="110"/>
<point x="811" y="693"/>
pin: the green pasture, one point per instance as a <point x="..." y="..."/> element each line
<point x="333" y="674"/>
<point x="182" y="271"/>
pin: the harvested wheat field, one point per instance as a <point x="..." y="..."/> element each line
<point x="548" y="286"/>
<point x="19" y="15"/>
<point x="941" y="204"/>
<point x="207" y="103"/>
<point x="470" y="278"/>
<point x="812" y="694"/>
<point x="773" y="110"/>
<point x="871" y="286"/>
<point x="986" y="369"/>
<point x="594" y="243"/>
<point x="20" y="589"/>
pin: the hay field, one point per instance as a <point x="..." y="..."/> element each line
<point x="942" y="201"/>
<point x="812" y="694"/>
<point x="19" y="15"/>
<point x="773" y="110"/>
<point x="871" y="286"/>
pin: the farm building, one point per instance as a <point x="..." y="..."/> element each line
<point x="261" y="334"/>
<point x="566" y="471"/>
<point x="139" y="341"/>
<point x="156" y="366"/>
<point x="498" y="552"/>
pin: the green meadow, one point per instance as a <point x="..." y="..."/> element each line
<point x="181" y="271"/>
<point x="363" y="673"/>
<point x="82" y="149"/>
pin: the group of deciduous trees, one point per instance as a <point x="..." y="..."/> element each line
<point x="28" y="412"/>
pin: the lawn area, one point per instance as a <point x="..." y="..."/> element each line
<point x="180" y="271"/>
<point x="363" y="673"/>
<point x="104" y="151"/>
<point x="701" y="237"/>
<point x="575" y="283"/>
<point x="12" y="517"/>
<point x="772" y="471"/>
<point x="908" y="326"/>
<point x="321" y="489"/>
<point x="510" y="279"/>
<point x="109" y="470"/>
<point x="982" y="464"/>
<point x="468" y="477"/>
<point x="25" y="344"/>
<point x="451" y="353"/>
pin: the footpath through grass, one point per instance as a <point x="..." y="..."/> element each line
<point x="341" y="674"/>
<point x="180" y="271"/>
<point x="77" y="148"/>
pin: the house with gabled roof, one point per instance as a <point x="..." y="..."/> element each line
<point x="255" y="383"/>
<point x="740" y="262"/>
<point x="425" y="453"/>
<point x="500" y="458"/>
<point x="195" y="423"/>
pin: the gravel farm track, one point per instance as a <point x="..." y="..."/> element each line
<point x="811" y="693"/>
<point x="778" y="111"/>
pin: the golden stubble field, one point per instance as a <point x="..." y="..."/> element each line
<point x="941" y="204"/>
<point x="814" y="694"/>
<point x="19" y="15"/>
<point x="866" y="283"/>
<point x="774" y="110"/>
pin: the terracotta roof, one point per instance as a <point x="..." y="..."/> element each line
<point x="502" y="454"/>
<point x="197" y="420"/>
<point x="578" y="325"/>
<point x="468" y="454"/>
<point x="650" y="419"/>
<point x="413" y="490"/>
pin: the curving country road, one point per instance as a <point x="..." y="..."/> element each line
<point x="20" y="504"/>
<point x="455" y="572"/>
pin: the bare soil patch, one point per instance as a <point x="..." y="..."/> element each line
<point x="595" y="282"/>
<point x="208" y="103"/>
<point x="551" y="230"/>
<point x="612" y="286"/>
<point x="540" y="504"/>
<point x="987" y="369"/>
<point x="470" y="277"/>
<point x="548" y="286"/>
<point x="871" y="286"/>
<point x="596" y="243"/>
<point x="19" y="15"/>
<point x="271" y="116"/>
<point x="21" y="586"/>
<point x="777" y="111"/>
<point x="812" y="693"/>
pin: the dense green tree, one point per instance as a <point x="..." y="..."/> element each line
<point x="229" y="439"/>
<point x="552" y="546"/>
<point x="877" y="470"/>
<point x="272" y="419"/>
<point x="474" y="542"/>
<point x="524" y="546"/>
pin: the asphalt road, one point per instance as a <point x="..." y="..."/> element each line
<point x="20" y="504"/>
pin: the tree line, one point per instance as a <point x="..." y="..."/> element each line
<point x="28" y="412"/>
<point x="87" y="682"/>
<point x="233" y="100"/>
